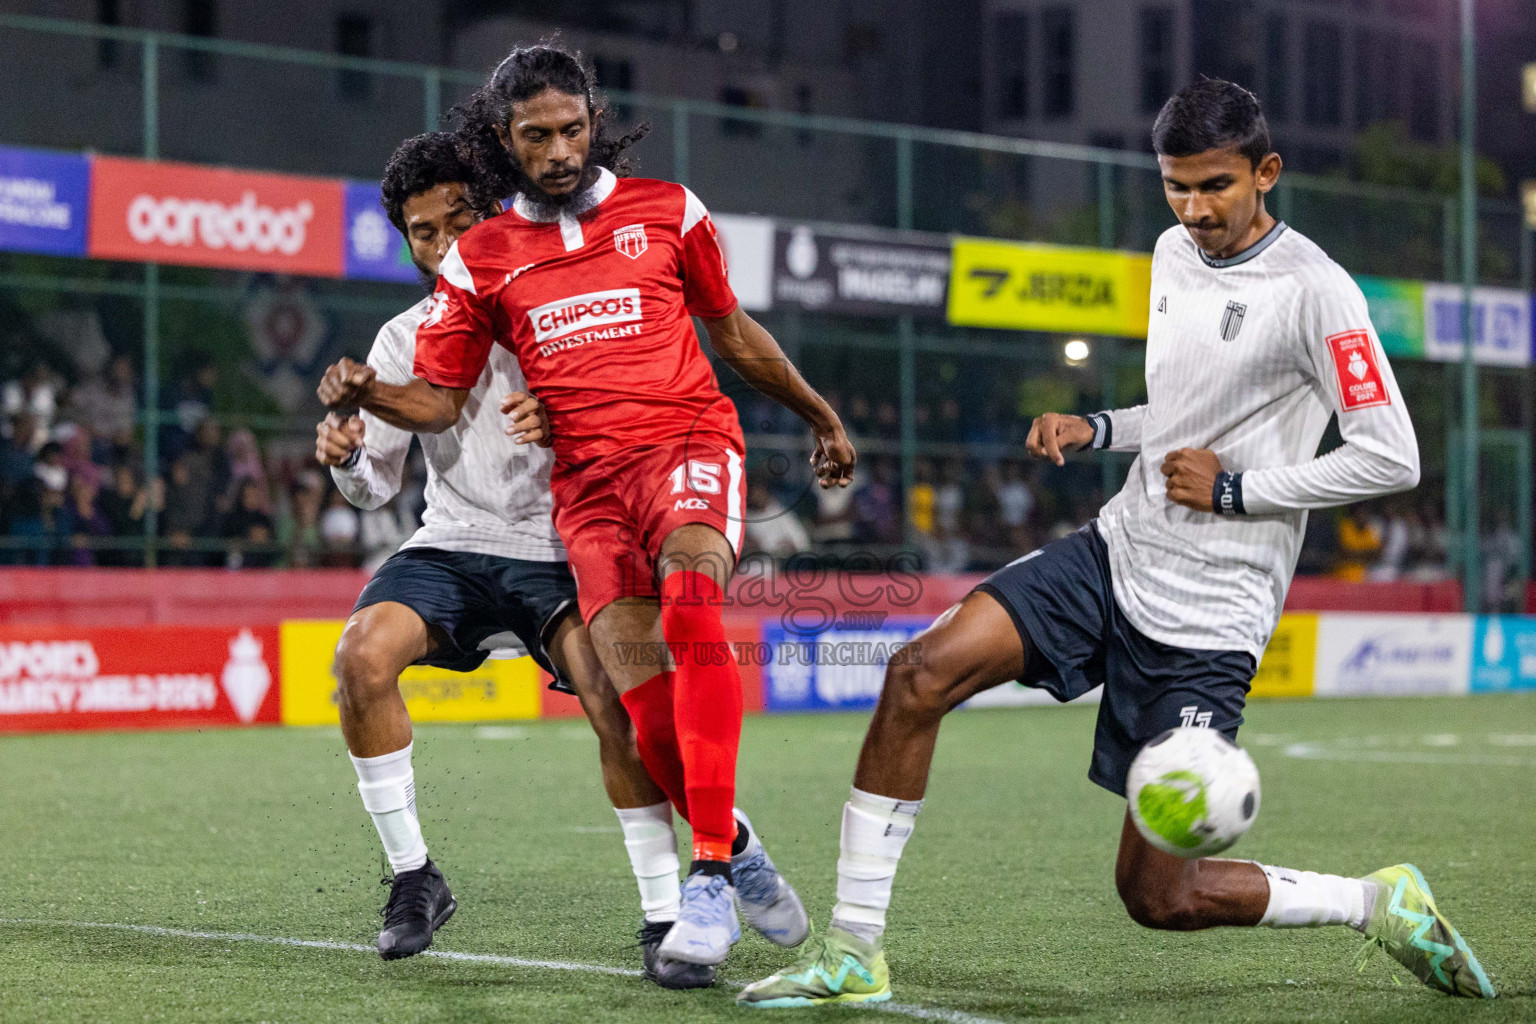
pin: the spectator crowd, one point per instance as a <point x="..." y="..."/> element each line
<point x="72" y="492"/>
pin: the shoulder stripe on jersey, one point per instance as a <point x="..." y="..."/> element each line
<point x="454" y="270"/>
<point x="693" y="210"/>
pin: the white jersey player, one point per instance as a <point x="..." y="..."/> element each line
<point x="486" y="571"/>
<point x="1256" y="340"/>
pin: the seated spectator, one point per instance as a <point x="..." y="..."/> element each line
<point x="1396" y="541"/>
<point x="1429" y="544"/>
<point x="887" y="422"/>
<point x="186" y="516"/>
<point x="339" y="528"/>
<point x="834" y="512"/>
<point x="876" y="519"/>
<point x="1501" y="563"/>
<point x="35" y="394"/>
<point x="29" y="517"/>
<point x="1319" y="545"/>
<point x="771" y="528"/>
<point x="920" y="498"/>
<point x="948" y="499"/>
<point x="191" y="402"/>
<point x="1359" y="543"/>
<point x="249" y="528"/>
<point x="82" y="521"/>
<point x="983" y="513"/>
<point x="859" y="422"/>
<point x="108" y="404"/>
<point x="305" y="499"/>
<point x="1015" y="503"/>
<point x="123" y="504"/>
<point x="17" y="453"/>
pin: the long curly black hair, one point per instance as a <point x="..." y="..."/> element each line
<point x="526" y="72"/>
<point x="425" y="161"/>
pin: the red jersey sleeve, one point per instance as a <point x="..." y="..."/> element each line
<point x="706" y="287"/>
<point x="454" y="342"/>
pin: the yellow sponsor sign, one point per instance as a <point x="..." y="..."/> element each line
<point x="1289" y="660"/>
<point x="1049" y="288"/>
<point x="495" y="691"/>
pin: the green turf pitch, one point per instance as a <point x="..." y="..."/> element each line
<point x="1005" y="908"/>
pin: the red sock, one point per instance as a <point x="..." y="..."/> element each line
<point x="706" y="706"/>
<point x="650" y="708"/>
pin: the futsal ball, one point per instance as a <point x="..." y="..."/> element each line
<point x="1192" y="792"/>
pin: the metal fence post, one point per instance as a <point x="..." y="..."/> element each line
<point x="432" y="99"/>
<point x="904" y="212"/>
<point x="680" y="141"/>
<point x="150" y="88"/>
<point x="1472" y="597"/>
<point x="907" y="357"/>
<point x="1109" y="347"/>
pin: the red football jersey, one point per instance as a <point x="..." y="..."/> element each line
<point x="596" y="308"/>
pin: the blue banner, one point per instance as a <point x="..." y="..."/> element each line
<point x="841" y="668"/>
<point x="375" y="251"/>
<point x="43" y="201"/>
<point x="1504" y="653"/>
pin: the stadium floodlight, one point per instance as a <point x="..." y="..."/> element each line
<point x="1528" y="197"/>
<point x="1528" y="92"/>
<point x="1076" y="352"/>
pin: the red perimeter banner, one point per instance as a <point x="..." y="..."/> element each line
<point x="67" y="677"/>
<point x="210" y="217"/>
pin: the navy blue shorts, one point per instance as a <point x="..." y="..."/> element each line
<point x="473" y="598"/>
<point x="1063" y="603"/>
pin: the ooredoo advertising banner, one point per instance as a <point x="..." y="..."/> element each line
<point x="43" y="199"/>
<point x="136" y="677"/>
<point x="212" y="217"/>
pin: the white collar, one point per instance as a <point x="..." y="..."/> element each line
<point x="595" y="193"/>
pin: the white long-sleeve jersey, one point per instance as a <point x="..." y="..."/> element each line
<point x="1249" y="357"/>
<point x="485" y="493"/>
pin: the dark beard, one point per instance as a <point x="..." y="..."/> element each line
<point x="546" y="206"/>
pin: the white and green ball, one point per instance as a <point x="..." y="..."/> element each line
<point x="1192" y="792"/>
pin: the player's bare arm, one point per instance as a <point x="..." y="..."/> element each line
<point x="527" y="420"/>
<point x="338" y="439"/>
<point x="754" y="354"/>
<point x="1192" y="477"/>
<point x="1054" y="434"/>
<point x="419" y="406"/>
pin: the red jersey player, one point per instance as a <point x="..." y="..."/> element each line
<point x="591" y="280"/>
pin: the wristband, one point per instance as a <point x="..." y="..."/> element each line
<point x="351" y="460"/>
<point x="1103" y="430"/>
<point x="1227" y="495"/>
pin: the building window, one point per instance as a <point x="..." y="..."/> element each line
<point x="1224" y="40"/>
<point x="1011" y="54"/>
<point x="108" y="51"/>
<point x="1277" y="68"/>
<point x="1424" y="92"/>
<point x="199" y="18"/>
<point x="1056" y="59"/>
<point x="615" y="73"/>
<point x="354" y="38"/>
<point x="1324" y="60"/>
<point x="739" y="96"/>
<point x="1156" y="58"/>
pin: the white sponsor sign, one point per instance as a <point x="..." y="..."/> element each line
<point x="748" y="246"/>
<point x="582" y="312"/>
<point x="1393" y="655"/>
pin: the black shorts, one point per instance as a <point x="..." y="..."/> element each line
<point x="476" y="599"/>
<point x="1062" y="600"/>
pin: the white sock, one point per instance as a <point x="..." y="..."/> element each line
<point x="652" y="845"/>
<point x="1306" y="899"/>
<point x="875" y="828"/>
<point x="388" y="788"/>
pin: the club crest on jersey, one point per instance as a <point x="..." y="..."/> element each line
<point x="1232" y="320"/>
<point x="436" y="307"/>
<point x="630" y="240"/>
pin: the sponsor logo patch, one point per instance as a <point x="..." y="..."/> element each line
<point x="1354" y="359"/>
<point x="582" y="312"/>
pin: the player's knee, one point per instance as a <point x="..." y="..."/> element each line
<point x="364" y="671"/>
<point x="918" y="688"/>
<point x="1164" y="907"/>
